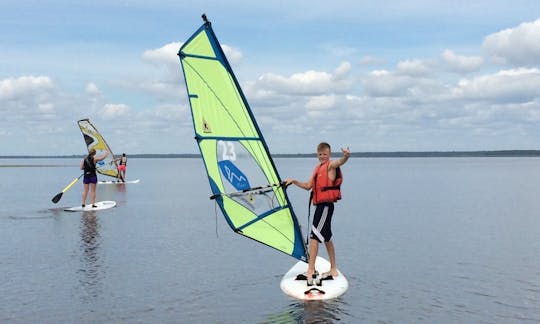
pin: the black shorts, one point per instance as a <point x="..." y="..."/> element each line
<point x="321" y="229"/>
<point x="89" y="179"/>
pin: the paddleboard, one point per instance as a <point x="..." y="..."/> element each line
<point x="106" y="204"/>
<point x="117" y="182"/>
<point x="297" y="287"/>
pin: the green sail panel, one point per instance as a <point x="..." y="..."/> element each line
<point x="242" y="175"/>
<point x="94" y="140"/>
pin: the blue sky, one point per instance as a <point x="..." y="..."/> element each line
<point x="371" y="75"/>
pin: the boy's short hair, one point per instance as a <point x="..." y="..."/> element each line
<point x="322" y="146"/>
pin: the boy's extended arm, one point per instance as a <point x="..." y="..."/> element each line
<point x="339" y="162"/>
<point x="304" y="185"/>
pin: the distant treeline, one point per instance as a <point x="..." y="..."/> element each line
<point x="502" y="153"/>
<point x="505" y="153"/>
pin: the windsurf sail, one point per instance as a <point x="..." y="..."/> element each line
<point x="94" y="140"/>
<point x="242" y="175"/>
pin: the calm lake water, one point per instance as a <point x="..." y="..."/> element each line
<point x="434" y="240"/>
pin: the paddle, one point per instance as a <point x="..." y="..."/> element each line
<point x="56" y="198"/>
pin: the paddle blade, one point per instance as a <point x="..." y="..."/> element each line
<point x="56" y="198"/>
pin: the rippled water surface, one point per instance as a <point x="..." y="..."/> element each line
<point x="436" y="240"/>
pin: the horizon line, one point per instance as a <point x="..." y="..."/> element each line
<point x="475" y="153"/>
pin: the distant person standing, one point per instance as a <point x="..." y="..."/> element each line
<point x="122" y="165"/>
<point x="88" y="164"/>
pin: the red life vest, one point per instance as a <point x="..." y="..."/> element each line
<point x="324" y="189"/>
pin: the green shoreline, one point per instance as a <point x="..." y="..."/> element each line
<point x="500" y="153"/>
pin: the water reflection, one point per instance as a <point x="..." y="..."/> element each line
<point x="310" y="312"/>
<point x="116" y="191"/>
<point x="92" y="269"/>
<point x="121" y="187"/>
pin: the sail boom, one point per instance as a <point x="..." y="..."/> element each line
<point x="260" y="190"/>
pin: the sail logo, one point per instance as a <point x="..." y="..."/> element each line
<point x="206" y="126"/>
<point x="235" y="177"/>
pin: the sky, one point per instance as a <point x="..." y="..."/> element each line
<point x="437" y="75"/>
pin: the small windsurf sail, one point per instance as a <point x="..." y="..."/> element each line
<point x="242" y="175"/>
<point x="94" y="140"/>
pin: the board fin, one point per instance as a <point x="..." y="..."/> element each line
<point x="314" y="290"/>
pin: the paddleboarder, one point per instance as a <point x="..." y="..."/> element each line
<point x="88" y="164"/>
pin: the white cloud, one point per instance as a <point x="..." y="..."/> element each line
<point x="416" y="104"/>
<point x="321" y="102"/>
<point x="22" y="87"/>
<point x="460" y="63"/>
<point x="161" y="89"/>
<point x="415" y="67"/>
<point x="383" y="83"/>
<point x="172" y="113"/>
<point x="342" y="71"/>
<point x="307" y="83"/>
<point x="515" y="85"/>
<point x="165" y="55"/>
<point x="31" y="102"/>
<point x="533" y="110"/>
<point x="92" y="89"/>
<point x="113" y="111"/>
<point x="169" y="85"/>
<point x="28" y="98"/>
<point x="46" y="108"/>
<point x="519" y="46"/>
<point x="234" y="55"/>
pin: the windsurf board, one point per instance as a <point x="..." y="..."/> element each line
<point x="117" y="181"/>
<point x="296" y="286"/>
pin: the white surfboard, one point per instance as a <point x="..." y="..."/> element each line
<point x="326" y="289"/>
<point x="117" y="182"/>
<point x="100" y="205"/>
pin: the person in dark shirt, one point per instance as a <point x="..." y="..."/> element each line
<point x="88" y="164"/>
